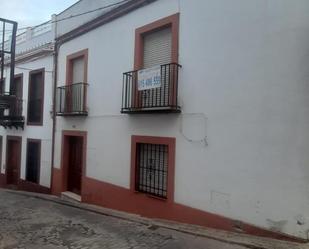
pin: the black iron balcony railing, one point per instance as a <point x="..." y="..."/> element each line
<point x="11" y="108"/>
<point x="72" y="100"/>
<point x="158" y="99"/>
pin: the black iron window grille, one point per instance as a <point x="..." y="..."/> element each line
<point x="152" y="169"/>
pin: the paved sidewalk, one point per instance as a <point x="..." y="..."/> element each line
<point x="32" y="221"/>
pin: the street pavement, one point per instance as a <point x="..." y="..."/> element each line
<point x="28" y="222"/>
<point x="32" y="223"/>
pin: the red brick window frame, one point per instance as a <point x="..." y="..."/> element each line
<point x="170" y="21"/>
<point x="170" y="143"/>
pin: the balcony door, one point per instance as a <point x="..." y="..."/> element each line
<point x="36" y="97"/>
<point x="17" y="87"/>
<point x="157" y="48"/>
<point x="157" y="51"/>
<point x="2" y="86"/>
<point x="2" y="91"/>
<point x="78" y="70"/>
<point x="76" y="77"/>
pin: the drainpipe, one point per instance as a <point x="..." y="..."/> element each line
<point x="55" y="69"/>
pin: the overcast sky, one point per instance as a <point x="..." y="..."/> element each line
<point x="32" y="12"/>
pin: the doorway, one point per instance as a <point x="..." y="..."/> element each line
<point x="13" y="157"/>
<point x="73" y="159"/>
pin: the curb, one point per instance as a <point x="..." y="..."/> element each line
<point x="248" y="241"/>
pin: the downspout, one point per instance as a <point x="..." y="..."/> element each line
<point x="55" y="69"/>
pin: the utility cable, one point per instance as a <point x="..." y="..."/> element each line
<point x="71" y="16"/>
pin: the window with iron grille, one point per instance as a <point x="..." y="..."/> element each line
<point x="152" y="169"/>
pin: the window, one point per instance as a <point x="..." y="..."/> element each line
<point x="78" y="70"/>
<point x="33" y="160"/>
<point x="152" y="169"/>
<point x="17" y="87"/>
<point x="2" y="91"/>
<point x="1" y="147"/>
<point x="36" y="97"/>
<point x="77" y="67"/>
<point x="157" y="43"/>
<point x="2" y="86"/>
<point x="153" y="160"/>
<point x="73" y="95"/>
<point x="156" y="46"/>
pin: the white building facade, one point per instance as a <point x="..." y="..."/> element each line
<point x="216" y="135"/>
<point x="193" y="111"/>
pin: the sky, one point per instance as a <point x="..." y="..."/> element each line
<point x="32" y="12"/>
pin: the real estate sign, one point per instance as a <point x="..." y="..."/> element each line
<point x="149" y="78"/>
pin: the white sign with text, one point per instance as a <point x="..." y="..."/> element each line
<point x="149" y="78"/>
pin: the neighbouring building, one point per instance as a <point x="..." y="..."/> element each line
<point x="26" y="128"/>
<point x="193" y="111"/>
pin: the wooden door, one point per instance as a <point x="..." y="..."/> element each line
<point x="13" y="160"/>
<point x="75" y="159"/>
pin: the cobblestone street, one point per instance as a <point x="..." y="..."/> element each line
<point x="28" y="222"/>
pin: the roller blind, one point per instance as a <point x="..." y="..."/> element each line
<point x="158" y="48"/>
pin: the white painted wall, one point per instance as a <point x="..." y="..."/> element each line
<point x="36" y="132"/>
<point x="244" y="85"/>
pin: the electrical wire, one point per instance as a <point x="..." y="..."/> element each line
<point x="63" y="19"/>
<point x="72" y="16"/>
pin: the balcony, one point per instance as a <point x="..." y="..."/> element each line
<point x="11" y="111"/>
<point x="72" y="100"/>
<point x="156" y="94"/>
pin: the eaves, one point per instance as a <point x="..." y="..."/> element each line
<point x="33" y="54"/>
<point x="103" y="19"/>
